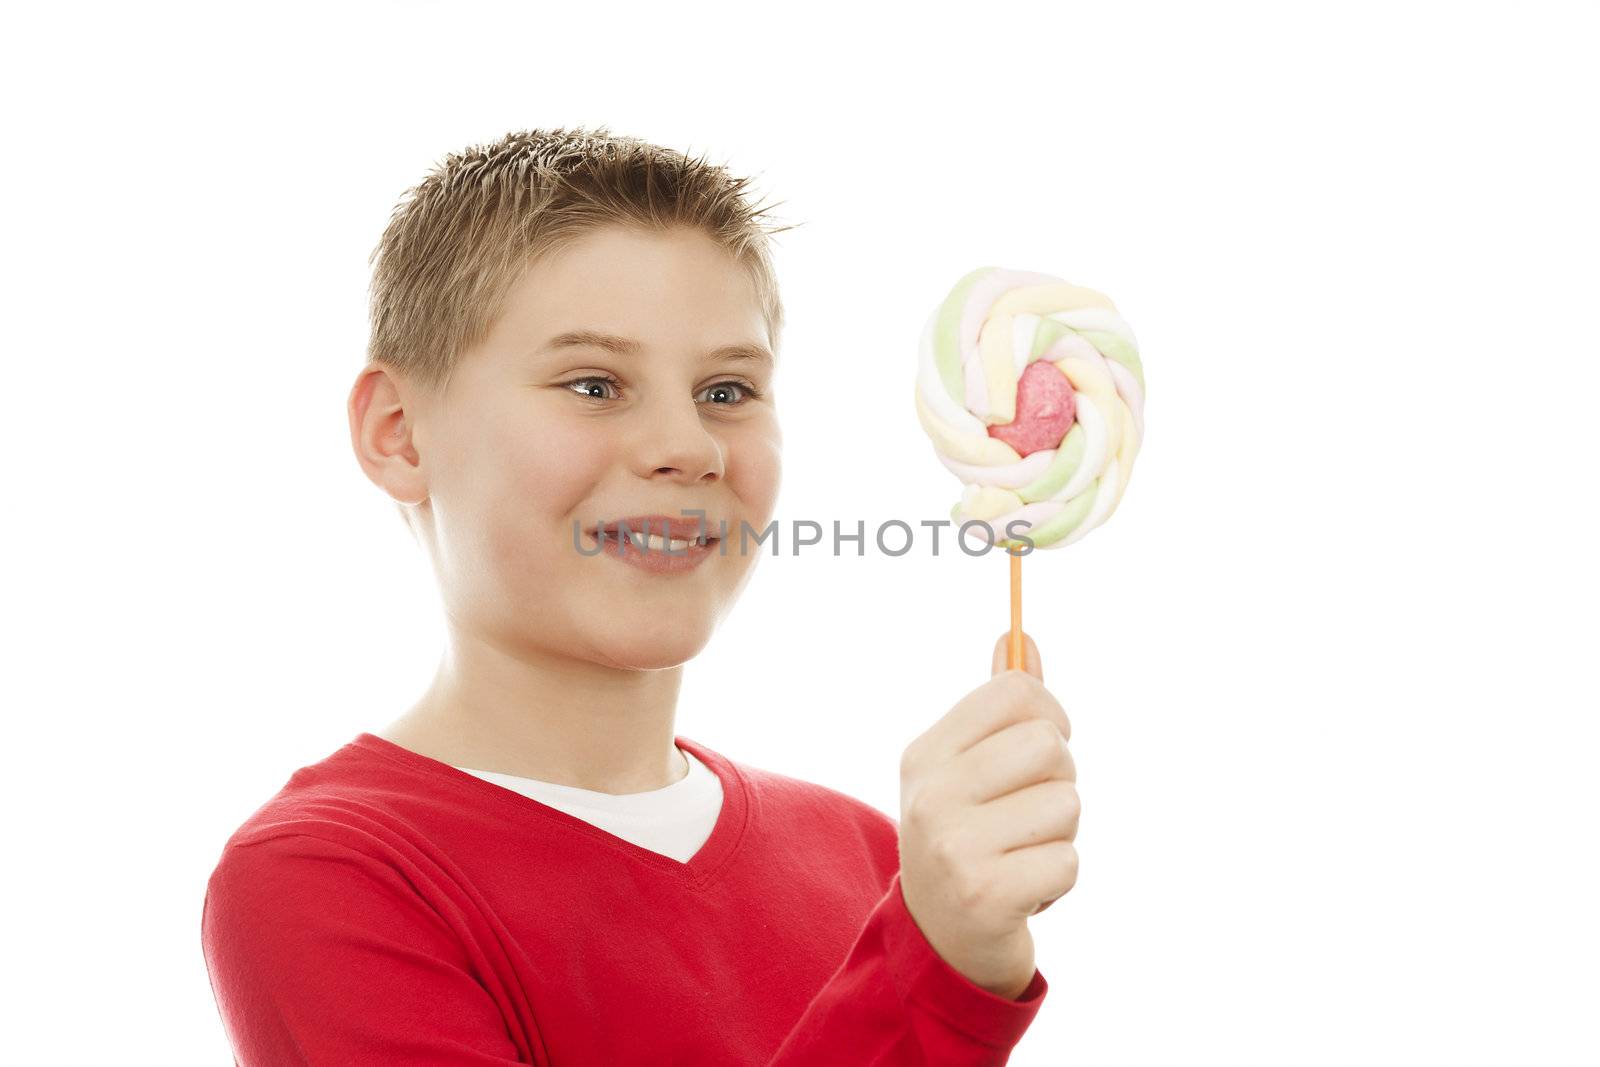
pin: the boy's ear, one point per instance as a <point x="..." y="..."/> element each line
<point x="381" y="433"/>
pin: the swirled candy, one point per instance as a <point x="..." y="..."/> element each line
<point x="1032" y="392"/>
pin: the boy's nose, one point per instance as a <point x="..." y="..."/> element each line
<point x="677" y="443"/>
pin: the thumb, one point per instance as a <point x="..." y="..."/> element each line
<point x="1030" y="656"/>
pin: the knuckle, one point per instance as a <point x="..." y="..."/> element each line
<point x="1044" y="735"/>
<point x="1071" y="801"/>
<point x="946" y="848"/>
<point x="1029" y="686"/>
<point x="973" y="893"/>
<point x="1049" y="705"/>
<point x="914" y="810"/>
<point x="1067" y="865"/>
<point x="1024" y="691"/>
<point x="1071" y="812"/>
<point x="908" y="761"/>
<point x="1015" y="687"/>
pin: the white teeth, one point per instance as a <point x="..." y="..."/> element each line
<point x="661" y="544"/>
<point x="653" y="540"/>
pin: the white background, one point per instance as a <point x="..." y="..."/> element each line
<point x="1330" y="665"/>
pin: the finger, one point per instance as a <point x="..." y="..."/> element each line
<point x="1011" y="759"/>
<point x="1043" y="812"/>
<point x="1039" y="873"/>
<point x="1009" y="697"/>
<point x="1030" y="656"/>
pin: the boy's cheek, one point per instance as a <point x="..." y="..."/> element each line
<point x="558" y="474"/>
<point x="755" y="471"/>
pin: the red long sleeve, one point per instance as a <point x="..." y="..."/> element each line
<point x="385" y="908"/>
<point x="321" y="954"/>
<point x="895" y="1000"/>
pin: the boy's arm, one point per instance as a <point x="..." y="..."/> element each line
<point x="895" y="1002"/>
<point x="319" y="953"/>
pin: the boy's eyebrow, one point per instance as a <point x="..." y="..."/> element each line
<point x="626" y="346"/>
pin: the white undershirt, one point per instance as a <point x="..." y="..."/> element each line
<point x="674" y="820"/>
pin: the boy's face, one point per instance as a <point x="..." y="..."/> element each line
<point x="525" y="443"/>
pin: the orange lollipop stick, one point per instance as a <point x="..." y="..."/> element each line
<point x="1014" y="646"/>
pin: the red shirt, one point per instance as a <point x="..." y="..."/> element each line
<point x="386" y="908"/>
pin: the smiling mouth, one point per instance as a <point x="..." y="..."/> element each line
<point x="656" y="533"/>
<point x="654" y="542"/>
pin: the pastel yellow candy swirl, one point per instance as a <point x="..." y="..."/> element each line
<point x="975" y="347"/>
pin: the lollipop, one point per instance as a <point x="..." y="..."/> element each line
<point x="1032" y="392"/>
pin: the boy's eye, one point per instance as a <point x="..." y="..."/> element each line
<point x="746" y="392"/>
<point x="593" y="387"/>
<point x="593" y="382"/>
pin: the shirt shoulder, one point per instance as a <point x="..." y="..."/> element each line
<point x="788" y="805"/>
<point x="353" y="797"/>
<point x="814" y="795"/>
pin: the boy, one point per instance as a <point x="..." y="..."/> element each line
<point x="573" y="339"/>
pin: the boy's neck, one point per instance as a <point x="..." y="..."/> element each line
<point x="556" y="720"/>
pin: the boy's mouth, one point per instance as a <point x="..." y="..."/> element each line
<point x="661" y="531"/>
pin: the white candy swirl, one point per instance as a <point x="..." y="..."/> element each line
<point x="975" y="347"/>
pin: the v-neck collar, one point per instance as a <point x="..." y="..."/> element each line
<point x="697" y="870"/>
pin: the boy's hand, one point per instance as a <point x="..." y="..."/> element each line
<point x="988" y="814"/>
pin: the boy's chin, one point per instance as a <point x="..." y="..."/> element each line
<point x="650" y="650"/>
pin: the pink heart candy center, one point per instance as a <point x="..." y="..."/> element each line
<point x="1045" y="410"/>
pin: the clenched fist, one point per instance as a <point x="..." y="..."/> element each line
<point x="988" y="814"/>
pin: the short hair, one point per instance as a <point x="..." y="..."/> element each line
<point x="456" y="242"/>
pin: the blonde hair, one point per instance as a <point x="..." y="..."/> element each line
<point x="456" y="242"/>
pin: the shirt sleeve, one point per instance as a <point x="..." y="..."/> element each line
<point x="318" y="953"/>
<point x="896" y="1002"/>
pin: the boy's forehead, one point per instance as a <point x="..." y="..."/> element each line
<point x="626" y="293"/>
<point x="646" y="261"/>
<point x="751" y="353"/>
